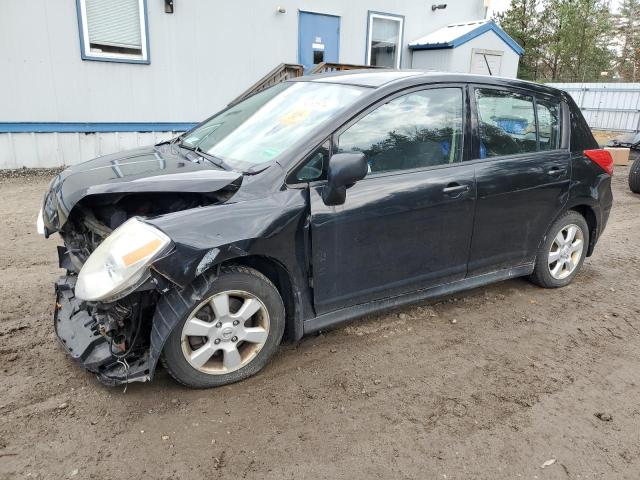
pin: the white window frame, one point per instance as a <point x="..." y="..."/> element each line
<point x="385" y="16"/>
<point x="85" y="47"/>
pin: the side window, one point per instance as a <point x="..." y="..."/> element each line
<point x="506" y="122"/>
<point x="548" y="125"/>
<point x="416" y="130"/>
<point x="314" y="167"/>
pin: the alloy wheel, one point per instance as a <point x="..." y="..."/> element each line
<point x="225" y="332"/>
<point x="566" y="251"/>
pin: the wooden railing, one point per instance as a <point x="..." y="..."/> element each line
<point x="338" y="67"/>
<point x="282" y="72"/>
<point x="285" y="71"/>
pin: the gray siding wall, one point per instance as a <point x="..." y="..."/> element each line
<point x="202" y="56"/>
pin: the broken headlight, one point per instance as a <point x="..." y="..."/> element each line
<point x="121" y="262"/>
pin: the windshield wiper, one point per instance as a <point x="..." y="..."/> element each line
<point x="218" y="162"/>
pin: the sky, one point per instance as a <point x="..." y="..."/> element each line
<point x="498" y="6"/>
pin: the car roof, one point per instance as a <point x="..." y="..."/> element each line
<point x="377" y="78"/>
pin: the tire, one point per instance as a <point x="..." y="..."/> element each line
<point x="243" y="288"/>
<point x="569" y="263"/>
<point x="634" y="176"/>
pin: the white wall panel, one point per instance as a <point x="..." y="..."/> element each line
<point x="45" y="150"/>
<point x="7" y="157"/>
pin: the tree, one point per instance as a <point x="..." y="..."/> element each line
<point x="522" y="22"/>
<point x="564" y="40"/>
<point x="627" y="27"/>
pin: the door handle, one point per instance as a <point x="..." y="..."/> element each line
<point x="454" y="189"/>
<point x="555" y="171"/>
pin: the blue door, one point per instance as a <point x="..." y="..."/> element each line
<point x="318" y="39"/>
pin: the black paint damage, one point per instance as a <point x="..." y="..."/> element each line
<point x="149" y="170"/>
<point x="265" y="228"/>
<point x="211" y="215"/>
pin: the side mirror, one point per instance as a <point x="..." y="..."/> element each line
<point x="345" y="169"/>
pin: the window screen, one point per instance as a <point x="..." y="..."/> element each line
<point x="384" y="41"/>
<point x="549" y="125"/>
<point x="416" y="130"/>
<point x="506" y="121"/>
<point x="114" y="28"/>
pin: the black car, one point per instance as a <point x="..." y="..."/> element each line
<point x="314" y="202"/>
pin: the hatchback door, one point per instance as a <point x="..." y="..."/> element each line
<point x="407" y="225"/>
<point x="522" y="175"/>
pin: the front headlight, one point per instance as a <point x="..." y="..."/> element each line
<point x="121" y="261"/>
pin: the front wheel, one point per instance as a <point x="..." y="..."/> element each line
<point x="563" y="251"/>
<point x="229" y="332"/>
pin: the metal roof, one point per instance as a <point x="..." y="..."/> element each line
<point x="456" y="34"/>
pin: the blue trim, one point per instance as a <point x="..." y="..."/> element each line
<point x="484" y="28"/>
<point x="400" y="47"/>
<point x="83" y="51"/>
<point x="64" y="127"/>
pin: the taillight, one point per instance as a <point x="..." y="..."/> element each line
<point x="602" y="158"/>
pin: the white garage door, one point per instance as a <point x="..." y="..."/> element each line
<point x="486" y="62"/>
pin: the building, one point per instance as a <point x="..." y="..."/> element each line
<point x="88" y="77"/>
<point x="479" y="47"/>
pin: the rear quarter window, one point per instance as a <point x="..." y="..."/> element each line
<point x="581" y="136"/>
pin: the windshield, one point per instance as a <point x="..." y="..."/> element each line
<point x="260" y="128"/>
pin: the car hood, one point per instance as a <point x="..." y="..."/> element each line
<point x="147" y="169"/>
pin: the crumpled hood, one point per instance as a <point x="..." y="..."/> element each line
<point x="144" y="169"/>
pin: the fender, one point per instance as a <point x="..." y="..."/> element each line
<point x="594" y="199"/>
<point x="206" y="237"/>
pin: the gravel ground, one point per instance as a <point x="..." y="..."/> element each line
<point x="491" y="384"/>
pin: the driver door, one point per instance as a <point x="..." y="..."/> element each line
<point x="407" y="225"/>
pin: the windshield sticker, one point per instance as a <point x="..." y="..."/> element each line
<point x="270" y="153"/>
<point x="295" y="116"/>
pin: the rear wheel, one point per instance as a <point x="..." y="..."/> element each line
<point x="228" y="333"/>
<point x="563" y="251"/>
<point x="634" y="176"/>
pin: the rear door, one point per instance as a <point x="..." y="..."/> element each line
<point x="407" y="224"/>
<point x="522" y="175"/>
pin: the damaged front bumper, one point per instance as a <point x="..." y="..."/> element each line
<point x="77" y="329"/>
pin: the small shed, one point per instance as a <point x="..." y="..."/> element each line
<point x="479" y="47"/>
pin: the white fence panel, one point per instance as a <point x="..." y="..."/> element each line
<point x="607" y="106"/>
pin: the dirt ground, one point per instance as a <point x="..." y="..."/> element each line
<point x="490" y="384"/>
